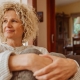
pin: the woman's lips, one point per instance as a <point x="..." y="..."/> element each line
<point x="9" y="30"/>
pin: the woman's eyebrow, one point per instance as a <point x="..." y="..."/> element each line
<point x="11" y="18"/>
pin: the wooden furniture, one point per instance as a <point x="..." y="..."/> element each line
<point x="68" y="48"/>
<point x="51" y="28"/>
<point x="76" y="45"/>
<point x="62" y="31"/>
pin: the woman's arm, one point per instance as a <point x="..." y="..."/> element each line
<point x="9" y="62"/>
<point x="30" y="61"/>
<point x="18" y="62"/>
<point x="5" y="73"/>
<point x="66" y="67"/>
<point x="60" y="69"/>
<point x="34" y="63"/>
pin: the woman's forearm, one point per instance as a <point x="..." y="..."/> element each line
<point x="30" y="62"/>
<point x="18" y="62"/>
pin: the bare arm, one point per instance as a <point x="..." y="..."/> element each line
<point x="25" y="61"/>
<point x="17" y="62"/>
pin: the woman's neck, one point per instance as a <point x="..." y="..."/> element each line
<point x="14" y="43"/>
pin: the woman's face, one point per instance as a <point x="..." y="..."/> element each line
<point x="12" y="26"/>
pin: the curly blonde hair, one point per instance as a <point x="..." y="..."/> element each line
<point x="27" y="16"/>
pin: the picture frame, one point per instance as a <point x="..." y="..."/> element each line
<point x="40" y="16"/>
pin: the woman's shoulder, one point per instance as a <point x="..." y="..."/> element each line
<point x="2" y="47"/>
<point x="3" y="44"/>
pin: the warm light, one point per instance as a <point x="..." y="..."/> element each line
<point x="22" y="1"/>
<point x="78" y="20"/>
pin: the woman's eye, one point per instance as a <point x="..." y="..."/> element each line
<point x="14" y="20"/>
<point x="4" y="20"/>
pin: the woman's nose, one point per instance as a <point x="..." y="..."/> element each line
<point x="8" y="24"/>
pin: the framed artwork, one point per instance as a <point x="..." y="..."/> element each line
<point x="40" y="16"/>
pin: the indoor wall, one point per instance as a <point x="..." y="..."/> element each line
<point x="42" y="37"/>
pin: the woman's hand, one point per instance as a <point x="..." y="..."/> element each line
<point x="37" y="62"/>
<point x="60" y="69"/>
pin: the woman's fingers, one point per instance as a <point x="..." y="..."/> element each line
<point x="51" y="74"/>
<point x="54" y="75"/>
<point x="44" y="70"/>
<point x="48" y="68"/>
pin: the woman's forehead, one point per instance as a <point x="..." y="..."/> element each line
<point x="11" y="13"/>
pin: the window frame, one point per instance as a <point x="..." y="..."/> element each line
<point x="74" y="15"/>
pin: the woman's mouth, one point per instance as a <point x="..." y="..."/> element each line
<point x="10" y="31"/>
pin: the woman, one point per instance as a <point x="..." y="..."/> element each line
<point x="19" y="23"/>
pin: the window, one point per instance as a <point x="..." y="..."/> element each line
<point x="76" y="27"/>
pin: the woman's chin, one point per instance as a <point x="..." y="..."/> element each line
<point x="8" y="37"/>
